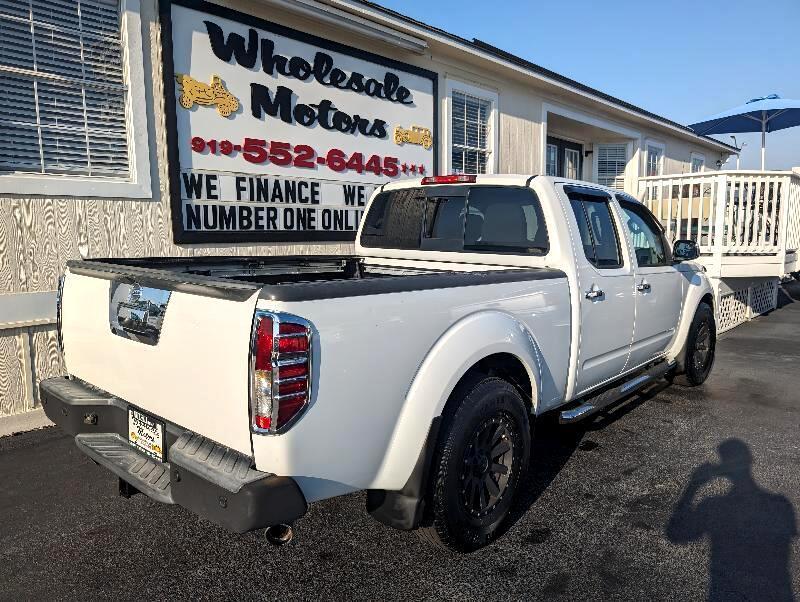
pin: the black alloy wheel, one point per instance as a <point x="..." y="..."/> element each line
<point x="488" y="461"/>
<point x="701" y="345"/>
<point x="481" y="455"/>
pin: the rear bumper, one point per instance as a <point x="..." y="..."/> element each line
<point x="215" y="482"/>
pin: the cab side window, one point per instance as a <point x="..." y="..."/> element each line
<point x="596" y="226"/>
<point x="647" y="236"/>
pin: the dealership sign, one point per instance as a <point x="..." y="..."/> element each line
<point x="278" y="135"/>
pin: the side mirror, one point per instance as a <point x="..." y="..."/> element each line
<point x="685" y="250"/>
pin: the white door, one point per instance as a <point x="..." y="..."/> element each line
<point x="605" y="281"/>
<point x="659" y="285"/>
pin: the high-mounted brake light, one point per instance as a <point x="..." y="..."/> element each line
<point x="281" y="375"/>
<point x="451" y="179"/>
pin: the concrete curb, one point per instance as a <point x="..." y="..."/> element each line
<point x="23" y="422"/>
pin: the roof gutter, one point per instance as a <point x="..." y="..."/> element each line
<point x="373" y="12"/>
<point x="366" y="27"/>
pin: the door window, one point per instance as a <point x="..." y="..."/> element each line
<point x="646" y="235"/>
<point x="563" y="158"/>
<point x="596" y="226"/>
<point x="572" y="163"/>
<point x="551" y="168"/>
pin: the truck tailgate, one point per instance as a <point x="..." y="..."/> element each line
<point x="196" y="374"/>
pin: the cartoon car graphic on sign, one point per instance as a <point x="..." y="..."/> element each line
<point x="416" y="135"/>
<point x="196" y="92"/>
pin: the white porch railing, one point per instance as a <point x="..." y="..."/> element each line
<point x="733" y="216"/>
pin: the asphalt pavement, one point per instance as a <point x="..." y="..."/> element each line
<point x="679" y="494"/>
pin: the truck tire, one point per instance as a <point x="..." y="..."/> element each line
<point x="481" y="455"/>
<point x="701" y="345"/>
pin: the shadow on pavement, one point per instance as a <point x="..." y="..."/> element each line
<point x="788" y="293"/>
<point x="554" y="444"/>
<point x="749" y="528"/>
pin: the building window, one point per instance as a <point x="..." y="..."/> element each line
<point x="698" y="162"/>
<point x="471" y="137"/>
<point x="73" y="110"/>
<point x="63" y="100"/>
<point x="655" y="160"/>
<point x="551" y="165"/>
<point x="471" y="133"/>
<point x="611" y="162"/>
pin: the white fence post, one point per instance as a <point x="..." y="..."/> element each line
<point x="784" y="215"/>
<point x="720" y="204"/>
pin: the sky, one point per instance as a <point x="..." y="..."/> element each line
<point x="685" y="60"/>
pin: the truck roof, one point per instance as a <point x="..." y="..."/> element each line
<point x="502" y="180"/>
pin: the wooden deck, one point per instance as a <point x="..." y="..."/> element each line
<point x="747" y="224"/>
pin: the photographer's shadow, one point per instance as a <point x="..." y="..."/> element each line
<point x="749" y="528"/>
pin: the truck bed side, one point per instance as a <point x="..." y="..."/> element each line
<point x="370" y="349"/>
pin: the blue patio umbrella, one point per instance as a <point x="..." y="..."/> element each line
<point x="765" y="114"/>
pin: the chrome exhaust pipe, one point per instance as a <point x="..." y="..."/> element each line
<point x="279" y="535"/>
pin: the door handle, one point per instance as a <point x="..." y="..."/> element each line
<point x="595" y="293"/>
<point x="643" y="287"/>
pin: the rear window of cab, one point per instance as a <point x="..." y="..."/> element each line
<point x="468" y="219"/>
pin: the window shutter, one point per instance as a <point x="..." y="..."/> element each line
<point x="63" y="99"/>
<point x="611" y="161"/>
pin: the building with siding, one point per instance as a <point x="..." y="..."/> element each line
<point x="117" y="139"/>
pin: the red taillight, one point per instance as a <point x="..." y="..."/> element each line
<point x="292" y="371"/>
<point x="281" y="370"/>
<point x="451" y="179"/>
<point x="293" y="344"/>
<point x="290" y="407"/>
<point x="264" y="344"/>
<point x="294" y="386"/>
<point x="291" y="328"/>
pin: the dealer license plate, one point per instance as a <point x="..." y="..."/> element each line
<point x="146" y="434"/>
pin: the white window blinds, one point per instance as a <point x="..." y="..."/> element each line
<point x="611" y="161"/>
<point x="470" y="127"/>
<point x="62" y="97"/>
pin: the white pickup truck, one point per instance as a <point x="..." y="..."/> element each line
<point x="244" y="388"/>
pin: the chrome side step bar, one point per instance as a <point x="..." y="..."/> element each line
<point x="592" y="405"/>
